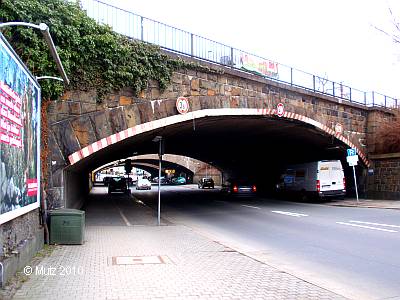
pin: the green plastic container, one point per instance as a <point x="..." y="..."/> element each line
<point x="67" y="226"/>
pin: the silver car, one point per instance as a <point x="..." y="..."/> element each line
<point x="143" y="184"/>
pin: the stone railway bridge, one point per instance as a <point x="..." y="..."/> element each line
<point x="232" y="121"/>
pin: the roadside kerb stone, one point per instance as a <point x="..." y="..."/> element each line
<point x="366" y="203"/>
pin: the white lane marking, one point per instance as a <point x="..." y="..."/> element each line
<point x="367" y="227"/>
<point x="287" y="213"/>
<point x="140" y="202"/>
<point x="249" y="206"/>
<point x="377" y="224"/>
<point x="124" y="217"/>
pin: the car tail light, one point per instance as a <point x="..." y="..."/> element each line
<point x="344" y="182"/>
<point x="254" y="188"/>
<point x="318" y="186"/>
<point x="235" y="189"/>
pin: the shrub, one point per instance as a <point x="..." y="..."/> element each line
<point x="94" y="57"/>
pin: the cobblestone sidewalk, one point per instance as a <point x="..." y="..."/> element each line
<point x="179" y="264"/>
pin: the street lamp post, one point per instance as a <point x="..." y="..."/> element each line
<point x="46" y="34"/>
<point x="160" y="153"/>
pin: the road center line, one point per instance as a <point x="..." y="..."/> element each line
<point x="377" y="224"/>
<point x="367" y="227"/>
<point x="287" y="213"/>
<point x="251" y="206"/>
<point x="123" y="216"/>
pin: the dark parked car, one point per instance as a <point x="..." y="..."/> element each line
<point x="106" y="180"/>
<point x="206" y="182"/>
<point x="118" y="184"/>
<point x="163" y="180"/>
<point x="239" y="187"/>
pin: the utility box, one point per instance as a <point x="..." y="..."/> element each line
<point x="67" y="226"/>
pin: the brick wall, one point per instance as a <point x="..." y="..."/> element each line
<point x="376" y="117"/>
<point x="385" y="182"/>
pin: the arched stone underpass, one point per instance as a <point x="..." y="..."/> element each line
<point x="240" y="142"/>
<point x="150" y="163"/>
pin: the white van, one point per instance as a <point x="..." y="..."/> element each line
<point x="323" y="178"/>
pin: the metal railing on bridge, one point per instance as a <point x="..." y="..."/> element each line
<point x="189" y="44"/>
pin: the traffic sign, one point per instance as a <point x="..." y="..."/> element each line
<point x="182" y="105"/>
<point x="351" y="152"/>
<point x="338" y="128"/>
<point x="280" y="110"/>
<point x="352" y="160"/>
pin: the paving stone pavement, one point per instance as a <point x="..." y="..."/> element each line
<point x="195" y="268"/>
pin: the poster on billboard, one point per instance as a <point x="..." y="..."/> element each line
<point x="258" y="65"/>
<point x="19" y="136"/>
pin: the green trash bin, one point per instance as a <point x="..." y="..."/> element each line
<point x="67" y="226"/>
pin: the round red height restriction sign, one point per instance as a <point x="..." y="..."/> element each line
<point x="182" y="105"/>
<point x="280" y="110"/>
<point x="338" y="128"/>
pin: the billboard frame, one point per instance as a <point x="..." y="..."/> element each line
<point x="10" y="215"/>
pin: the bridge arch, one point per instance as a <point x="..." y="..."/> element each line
<point x="89" y="150"/>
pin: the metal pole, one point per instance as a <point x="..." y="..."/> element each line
<point x="350" y="94"/>
<point x="54" y="53"/>
<point x="314" y="83"/>
<point x="159" y="184"/>
<point x="46" y="34"/>
<point x="355" y="182"/>
<point x="191" y="45"/>
<point x="373" y="98"/>
<point x="232" y="64"/>
<point x="141" y="28"/>
<point x="291" y="76"/>
<point x="2" y="283"/>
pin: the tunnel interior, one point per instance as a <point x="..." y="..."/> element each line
<point x="151" y="166"/>
<point x="253" y="147"/>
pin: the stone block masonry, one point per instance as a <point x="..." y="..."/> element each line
<point x="20" y="240"/>
<point x="385" y="182"/>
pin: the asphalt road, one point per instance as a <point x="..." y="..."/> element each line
<point x="351" y="251"/>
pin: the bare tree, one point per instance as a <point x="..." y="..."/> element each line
<point x="321" y="83"/>
<point x="389" y="131"/>
<point x="394" y="34"/>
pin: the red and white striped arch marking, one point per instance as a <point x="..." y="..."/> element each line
<point x="145" y="127"/>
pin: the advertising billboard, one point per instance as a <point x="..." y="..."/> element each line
<point x="258" y="65"/>
<point x="19" y="136"/>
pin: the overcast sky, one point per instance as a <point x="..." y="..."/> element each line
<point x="334" y="38"/>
